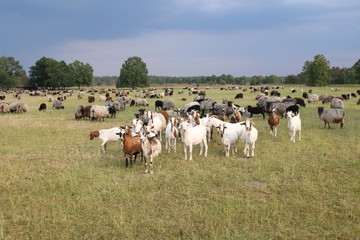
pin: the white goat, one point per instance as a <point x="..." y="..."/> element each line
<point x="151" y="147"/>
<point x="294" y="124"/>
<point x="238" y="128"/>
<point x="193" y="136"/>
<point x="171" y="133"/>
<point x="106" y="135"/>
<point x="250" y="137"/>
<point x="228" y="138"/>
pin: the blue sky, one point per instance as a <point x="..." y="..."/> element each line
<point x="183" y="37"/>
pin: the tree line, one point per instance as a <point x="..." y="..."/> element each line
<point x="52" y="74"/>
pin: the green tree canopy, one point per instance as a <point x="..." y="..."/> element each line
<point x="49" y="73"/>
<point x="133" y="74"/>
<point x="10" y="69"/>
<point x="317" y="72"/>
<point x="356" y="69"/>
<point x="82" y="73"/>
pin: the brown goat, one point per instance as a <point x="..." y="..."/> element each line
<point x="274" y="121"/>
<point x="131" y="145"/>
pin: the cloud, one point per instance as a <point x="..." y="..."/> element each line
<point x="189" y="53"/>
<point x="211" y="5"/>
<point x="328" y="3"/>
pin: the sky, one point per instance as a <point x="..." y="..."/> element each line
<point x="183" y="37"/>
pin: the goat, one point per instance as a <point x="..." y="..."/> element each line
<point x="294" y="124"/>
<point x="250" y="137"/>
<point x="193" y="136"/>
<point x="131" y="145"/>
<point x="331" y="115"/>
<point x="228" y="138"/>
<point x="238" y="128"/>
<point x="171" y="133"/>
<point x="106" y="135"/>
<point x="151" y="148"/>
<point x="273" y="122"/>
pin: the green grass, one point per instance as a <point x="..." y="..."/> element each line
<point x="57" y="184"/>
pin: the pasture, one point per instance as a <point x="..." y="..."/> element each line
<point x="57" y="184"/>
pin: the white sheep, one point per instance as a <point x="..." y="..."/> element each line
<point x="294" y="124"/>
<point x="193" y="136"/>
<point x="337" y="103"/>
<point x="106" y="135"/>
<point x="97" y="112"/>
<point x="250" y="137"/>
<point x="102" y="98"/>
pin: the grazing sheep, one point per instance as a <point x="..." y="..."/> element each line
<point x="313" y="98"/>
<point x="159" y="105"/>
<point x="57" y="104"/>
<point x="337" y="103"/>
<point x="169" y="104"/>
<point x="274" y="121"/>
<point x="112" y="112"/>
<point x="191" y="106"/>
<point x="331" y="115"/>
<point x="300" y="102"/>
<point x="119" y="105"/>
<point x="18" y="107"/>
<point x="141" y="102"/>
<point x="91" y="99"/>
<point x="294" y="124"/>
<point x="250" y="137"/>
<point x="256" y="110"/>
<point x="86" y="112"/>
<point x="97" y="112"/>
<point x="305" y="95"/>
<point x="106" y="135"/>
<point x="279" y="105"/>
<point x="239" y="95"/>
<point x="102" y="98"/>
<point x="293" y="108"/>
<point x="79" y="112"/>
<point x="4" y="107"/>
<point x="42" y="107"/>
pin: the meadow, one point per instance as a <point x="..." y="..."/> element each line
<point x="57" y="184"/>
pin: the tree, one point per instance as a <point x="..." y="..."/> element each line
<point x="82" y="73"/>
<point x="317" y="72"/>
<point x="292" y="79"/>
<point x="356" y="69"/>
<point x="49" y="73"/>
<point x="133" y="74"/>
<point x="10" y="69"/>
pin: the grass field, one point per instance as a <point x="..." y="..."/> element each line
<point x="57" y="184"/>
